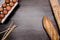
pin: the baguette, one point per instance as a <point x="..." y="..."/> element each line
<point x="50" y="29"/>
<point x="56" y="9"/>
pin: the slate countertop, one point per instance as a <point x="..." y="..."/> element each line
<point x="28" y="18"/>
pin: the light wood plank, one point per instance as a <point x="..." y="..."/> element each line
<point x="56" y="10"/>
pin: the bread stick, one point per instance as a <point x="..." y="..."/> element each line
<point x="56" y="9"/>
<point x="53" y="34"/>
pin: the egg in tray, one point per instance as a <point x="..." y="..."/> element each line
<point x="6" y="7"/>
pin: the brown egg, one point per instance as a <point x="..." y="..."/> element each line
<point x="8" y="8"/>
<point x="4" y="5"/>
<point x="7" y="1"/>
<point x="11" y="4"/>
<point x="1" y="16"/>
<point x="14" y="1"/>
<point x="5" y="12"/>
<point x="1" y="9"/>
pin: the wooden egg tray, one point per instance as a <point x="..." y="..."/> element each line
<point x="3" y="16"/>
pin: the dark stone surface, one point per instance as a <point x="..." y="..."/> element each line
<point x="28" y="18"/>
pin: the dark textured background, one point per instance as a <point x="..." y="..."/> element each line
<point x="28" y="18"/>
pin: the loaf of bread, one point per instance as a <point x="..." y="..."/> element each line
<point x="50" y="29"/>
<point x="56" y="9"/>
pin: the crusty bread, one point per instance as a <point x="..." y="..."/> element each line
<point x="53" y="34"/>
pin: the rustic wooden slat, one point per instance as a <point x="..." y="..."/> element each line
<point x="56" y="10"/>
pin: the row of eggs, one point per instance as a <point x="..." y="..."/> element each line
<point x="6" y="7"/>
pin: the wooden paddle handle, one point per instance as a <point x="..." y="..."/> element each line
<point x="53" y="34"/>
<point x="56" y="9"/>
